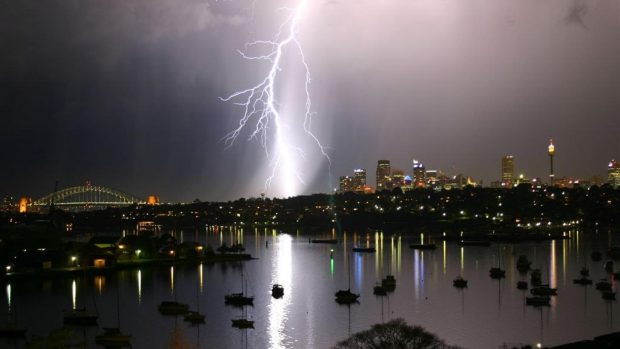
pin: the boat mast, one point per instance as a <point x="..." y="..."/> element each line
<point x="198" y="298"/>
<point x="118" y="308"/>
<point x="349" y="269"/>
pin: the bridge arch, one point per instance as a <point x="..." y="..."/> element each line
<point x="87" y="195"/>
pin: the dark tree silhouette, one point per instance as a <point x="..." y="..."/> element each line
<point x="395" y="334"/>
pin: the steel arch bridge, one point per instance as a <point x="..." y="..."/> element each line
<point x="87" y="196"/>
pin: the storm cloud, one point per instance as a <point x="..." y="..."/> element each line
<point x="126" y="93"/>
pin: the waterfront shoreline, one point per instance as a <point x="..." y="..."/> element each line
<point x="123" y="265"/>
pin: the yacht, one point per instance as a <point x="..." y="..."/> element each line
<point x="277" y="291"/>
<point x="173" y="308"/>
<point x="112" y="337"/>
<point x="80" y="316"/>
<point x="459" y="282"/>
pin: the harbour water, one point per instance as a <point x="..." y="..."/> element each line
<point x="485" y="315"/>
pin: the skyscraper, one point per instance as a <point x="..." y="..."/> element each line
<point x="613" y="174"/>
<point x="398" y="178"/>
<point x="383" y="175"/>
<point x="359" y="179"/>
<point x="551" y="150"/>
<point x="419" y="174"/>
<point x="508" y="170"/>
<point x="346" y="184"/>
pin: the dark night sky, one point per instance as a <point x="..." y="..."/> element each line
<point x="125" y="93"/>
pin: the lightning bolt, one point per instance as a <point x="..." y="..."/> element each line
<point x="260" y="106"/>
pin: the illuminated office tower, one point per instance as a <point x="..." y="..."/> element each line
<point x="398" y="179"/>
<point x="433" y="179"/>
<point x="551" y="150"/>
<point x="383" y="175"/>
<point x="359" y="179"/>
<point x="508" y="170"/>
<point x="613" y="174"/>
<point x="419" y="174"/>
<point x="346" y="184"/>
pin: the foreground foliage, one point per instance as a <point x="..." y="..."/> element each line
<point x="395" y="334"/>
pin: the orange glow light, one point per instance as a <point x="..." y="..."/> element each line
<point x="23" y="205"/>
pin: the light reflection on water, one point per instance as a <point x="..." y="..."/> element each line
<point x="8" y="298"/>
<point x="73" y="295"/>
<point x="172" y="280"/>
<point x="282" y="271"/>
<point x="481" y="316"/>
<point x="444" y="255"/>
<point x="99" y="283"/>
<point x="201" y="278"/>
<point x="139" y="286"/>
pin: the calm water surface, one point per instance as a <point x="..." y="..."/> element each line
<point x="485" y="315"/>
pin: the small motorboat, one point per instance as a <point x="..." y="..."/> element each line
<point x="242" y="323"/>
<point x="497" y="273"/>
<point x="538" y="301"/>
<point x="364" y="249"/>
<point x="172" y="308"/>
<point x="346" y="297"/>
<point x="238" y="299"/>
<point x="80" y="316"/>
<point x="523" y="264"/>
<point x="379" y="290"/>
<point x="603" y="285"/>
<point x="459" y="282"/>
<point x="544" y="290"/>
<point x="582" y="281"/>
<point x="389" y="283"/>
<point x="609" y="266"/>
<point x="112" y="337"/>
<point x="277" y="291"/>
<point x="194" y="317"/>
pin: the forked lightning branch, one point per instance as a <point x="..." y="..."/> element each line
<point x="261" y="113"/>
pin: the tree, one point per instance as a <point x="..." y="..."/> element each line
<point x="395" y="334"/>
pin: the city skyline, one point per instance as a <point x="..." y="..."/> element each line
<point x="389" y="178"/>
<point x="417" y="177"/>
<point x="128" y="94"/>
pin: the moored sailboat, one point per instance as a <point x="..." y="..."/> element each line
<point x="112" y="336"/>
<point x="346" y="296"/>
<point x="240" y="298"/>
